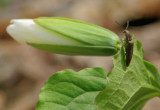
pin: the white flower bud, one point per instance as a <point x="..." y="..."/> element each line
<point x="65" y="36"/>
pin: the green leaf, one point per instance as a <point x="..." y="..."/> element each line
<point x="129" y="88"/>
<point x="70" y="90"/>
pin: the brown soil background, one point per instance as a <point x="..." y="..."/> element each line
<point x="23" y="69"/>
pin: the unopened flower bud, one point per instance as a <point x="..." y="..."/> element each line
<point x="65" y="36"/>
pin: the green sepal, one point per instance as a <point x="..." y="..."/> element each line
<point x="77" y="50"/>
<point x="100" y="41"/>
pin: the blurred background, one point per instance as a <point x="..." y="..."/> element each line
<point x="23" y="69"/>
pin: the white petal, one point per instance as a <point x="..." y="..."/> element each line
<point x="26" y="30"/>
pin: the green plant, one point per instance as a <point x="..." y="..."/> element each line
<point x="124" y="88"/>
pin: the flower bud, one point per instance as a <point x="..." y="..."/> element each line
<point x="65" y="36"/>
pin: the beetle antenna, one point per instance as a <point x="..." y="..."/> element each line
<point x="120" y="25"/>
<point x="127" y="25"/>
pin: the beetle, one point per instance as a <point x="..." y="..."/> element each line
<point x="129" y="45"/>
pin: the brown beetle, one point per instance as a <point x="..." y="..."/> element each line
<point x="129" y="46"/>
